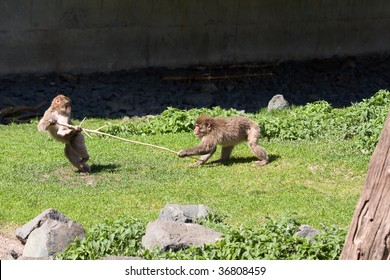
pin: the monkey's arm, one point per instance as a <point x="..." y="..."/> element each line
<point x="206" y="146"/>
<point x="68" y="129"/>
<point x="42" y="126"/>
<point x="198" y="150"/>
<point x="206" y="153"/>
<point x="46" y="121"/>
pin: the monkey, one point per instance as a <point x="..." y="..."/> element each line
<point x="75" y="149"/>
<point x="226" y="132"/>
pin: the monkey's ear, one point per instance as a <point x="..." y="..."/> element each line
<point x="209" y="124"/>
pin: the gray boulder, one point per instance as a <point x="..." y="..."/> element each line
<point x="184" y="213"/>
<point x="174" y="236"/>
<point x="52" y="237"/>
<point x="24" y="231"/>
<point x="307" y="231"/>
<point x="277" y="103"/>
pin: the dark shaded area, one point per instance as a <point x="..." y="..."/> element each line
<point x="97" y="168"/>
<point x="340" y="81"/>
<point x="236" y="160"/>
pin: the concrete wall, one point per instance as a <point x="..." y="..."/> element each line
<point x="106" y="35"/>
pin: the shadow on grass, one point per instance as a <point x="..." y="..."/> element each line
<point x="97" y="168"/>
<point x="233" y="161"/>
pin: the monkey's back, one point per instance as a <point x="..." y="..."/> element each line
<point x="234" y="130"/>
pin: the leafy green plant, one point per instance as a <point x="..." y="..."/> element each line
<point x="120" y="237"/>
<point x="315" y="120"/>
<point x="171" y="120"/>
<point x="275" y="240"/>
<point x="362" y="121"/>
<point x="366" y="120"/>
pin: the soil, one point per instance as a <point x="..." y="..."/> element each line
<point x="10" y="248"/>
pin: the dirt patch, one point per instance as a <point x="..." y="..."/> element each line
<point x="10" y="248"/>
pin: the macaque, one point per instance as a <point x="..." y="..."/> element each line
<point x="226" y="132"/>
<point x="75" y="149"/>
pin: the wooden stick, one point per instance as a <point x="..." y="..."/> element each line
<point x="12" y="110"/>
<point x="122" y="139"/>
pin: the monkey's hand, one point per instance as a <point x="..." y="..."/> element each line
<point x="52" y="122"/>
<point x="77" y="128"/>
<point x="182" y="153"/>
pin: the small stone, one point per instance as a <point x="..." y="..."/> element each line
<point x="277" y="103"/>
<point x="307" y="231"/>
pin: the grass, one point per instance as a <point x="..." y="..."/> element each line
<point x="317" y="181"/>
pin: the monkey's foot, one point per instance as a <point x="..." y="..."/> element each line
<point x="260" y="163"/>
<point x="198" y="163"/>
<point x="84" y="169"/>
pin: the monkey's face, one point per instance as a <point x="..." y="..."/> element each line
<point x="67" y="109"/>
<point x="64" y="108"/>
<point x="201" y="130"/>
<point x="61" y="103"/>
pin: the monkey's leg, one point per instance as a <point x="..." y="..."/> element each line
<point x="257" y="150"/>
<point x="72" y="157"/>
<point x="79" y="150"/>
<point x="225" y="154"/>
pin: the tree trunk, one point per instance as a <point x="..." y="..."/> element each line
<point x="368" y="237"/>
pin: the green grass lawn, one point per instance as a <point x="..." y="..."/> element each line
<point x="315" y="181"/>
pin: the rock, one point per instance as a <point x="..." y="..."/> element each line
<point x="24" y="231"/>
<point x="174" y="236"/>
<point x="307" y="231"/>
<point x="52" y="237"/>
<point x="184" y="213"/>
<point x="277" y="103"/>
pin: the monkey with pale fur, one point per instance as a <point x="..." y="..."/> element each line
<point x="75" y="149"/>
<point x="226" y="132"/>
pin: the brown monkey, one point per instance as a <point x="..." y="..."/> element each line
<point x="75" y="149"/>
<point x="226" y="132"/>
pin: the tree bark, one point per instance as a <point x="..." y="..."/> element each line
<point x="368" y="237"/>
